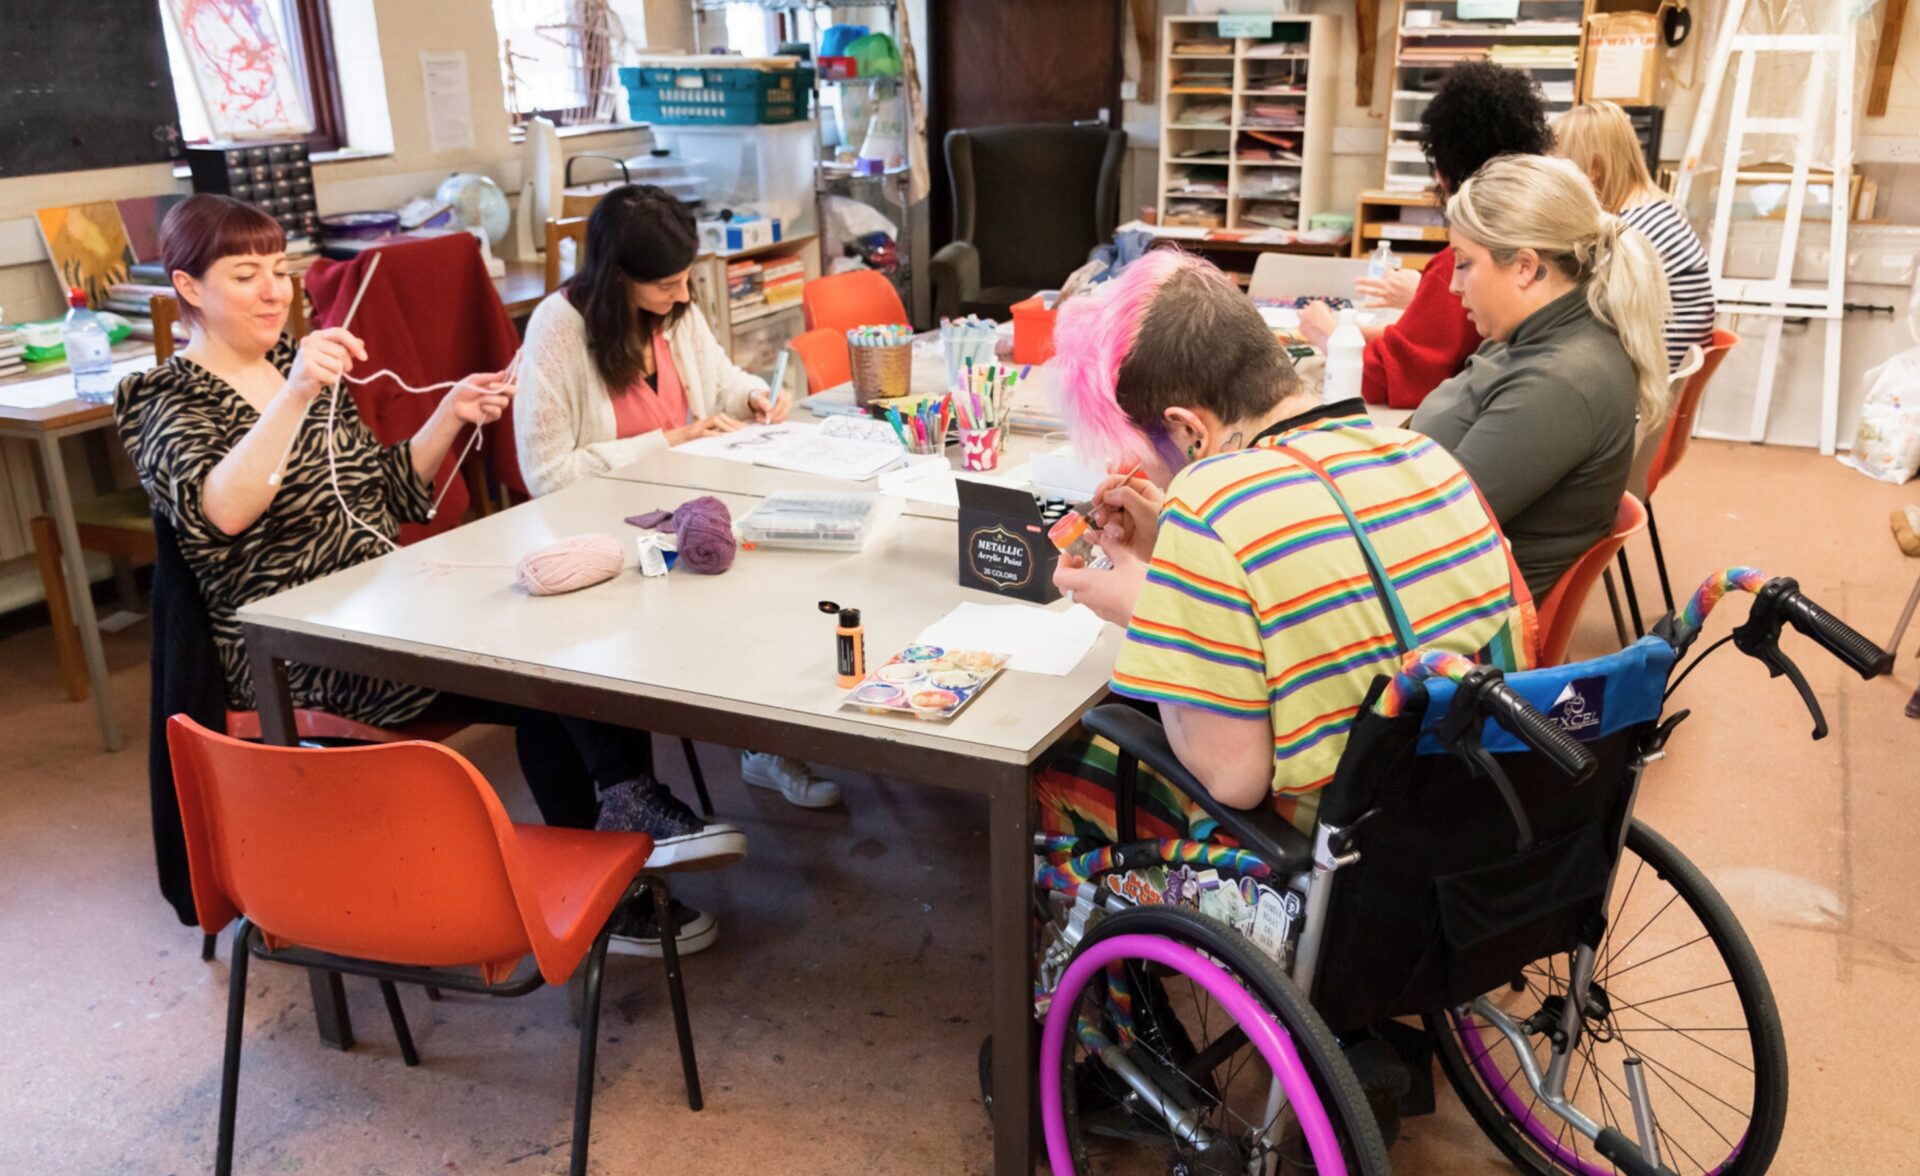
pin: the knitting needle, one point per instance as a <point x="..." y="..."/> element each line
<point x="279" y="470"/>
<point x="473" y="442"/>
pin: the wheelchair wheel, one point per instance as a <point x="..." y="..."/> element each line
<point x="1677" y="984"/>
<point x="1174" y="1045"/>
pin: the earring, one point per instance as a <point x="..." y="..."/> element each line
<point x="1193" y="451"/>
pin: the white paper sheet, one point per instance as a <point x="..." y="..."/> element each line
<point x="1041" y="640"/>
<point x="747" y="443"/>
<point x="57" y="387"/>
<point x="930" y="481"/>
<point x="449" y="100"/>
<point x="831" y="457"/>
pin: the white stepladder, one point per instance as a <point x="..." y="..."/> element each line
<point x="1828" y="57"/>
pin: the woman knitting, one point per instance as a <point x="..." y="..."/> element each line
<point x="209" y="428"/>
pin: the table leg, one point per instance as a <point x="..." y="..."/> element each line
<point x="274" y="702"/>
<point x="79" y="591"/>
<point x="1010" y="934"/>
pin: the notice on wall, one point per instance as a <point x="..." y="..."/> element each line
<point x="449" y="101"/>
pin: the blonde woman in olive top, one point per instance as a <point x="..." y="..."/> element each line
<point x="1573" y="307"/>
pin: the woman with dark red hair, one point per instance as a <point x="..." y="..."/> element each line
<point x="208" y="430"/>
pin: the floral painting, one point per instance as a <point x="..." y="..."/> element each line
<point x="88" y="245"/>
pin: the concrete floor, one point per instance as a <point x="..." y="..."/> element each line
<point x="838" y="1017"/>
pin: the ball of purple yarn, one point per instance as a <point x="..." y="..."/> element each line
<point x="704" y="531"/>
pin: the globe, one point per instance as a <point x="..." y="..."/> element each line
<point x="478" y="202"/>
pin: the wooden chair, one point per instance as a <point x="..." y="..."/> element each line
<point x="571" y="228"/>
<point x="118" y="523"/>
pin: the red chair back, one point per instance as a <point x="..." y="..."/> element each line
<point x="1561" y="608"/>
<point x="1679" y="426"/>
<point x="431" y="314"/>
<point x="399" y="853"/>
<point x="859" y="298"/>
<point x="823" y="352"/>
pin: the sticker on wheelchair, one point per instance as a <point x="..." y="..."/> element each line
<point x="1273" y="920"/>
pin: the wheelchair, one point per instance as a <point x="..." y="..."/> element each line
<point x="1476" y="869"/>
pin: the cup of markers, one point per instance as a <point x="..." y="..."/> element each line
<point x="923" y="429"/>
<point x="982" y="399"/>
<point x="964" y="341"/>
<point x="881" y="360"/>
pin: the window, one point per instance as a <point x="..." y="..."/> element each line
<point x="291" y="75"/>
<point x="558" y="58"/>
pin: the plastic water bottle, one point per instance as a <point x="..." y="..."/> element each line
<point x="89" y="351"/>
<point x="1382" y="262"/>
<point x="1346" y="355"/>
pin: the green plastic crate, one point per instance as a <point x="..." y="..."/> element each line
<point x="716" y="95"/>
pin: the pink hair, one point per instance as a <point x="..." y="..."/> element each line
<point x="1092" y="340"/>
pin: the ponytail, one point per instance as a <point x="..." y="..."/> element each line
<point x="1532" y="202"/>
<point x="1627" y="289"/>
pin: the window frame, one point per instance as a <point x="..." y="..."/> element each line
<point x="323" y="79"/>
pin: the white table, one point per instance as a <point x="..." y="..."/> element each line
<point x="739" y="658"/>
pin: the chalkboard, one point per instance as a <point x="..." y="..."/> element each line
<point x="83" y="85"/>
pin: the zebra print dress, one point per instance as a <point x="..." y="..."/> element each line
<point x="178" y="420"/>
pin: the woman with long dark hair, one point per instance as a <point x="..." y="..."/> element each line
<point x="619" y="365"/>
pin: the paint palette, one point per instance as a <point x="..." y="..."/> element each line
<point x="926" y="682"/>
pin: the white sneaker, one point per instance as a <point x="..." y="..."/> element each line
<point x="794" y="779"/>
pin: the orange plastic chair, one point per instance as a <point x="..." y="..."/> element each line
<point x="1673" y="444"/>
<point x="823" y="353"/>
<point x="1561" y="608"/>
<point x="858" y="298"/>
<point x="398" y="862"/>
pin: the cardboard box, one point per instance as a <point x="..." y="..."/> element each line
<point x="1623" y="58"/>
<point x="1004" y="547"/>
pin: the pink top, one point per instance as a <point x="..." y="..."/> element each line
<point x="640" y="409"/>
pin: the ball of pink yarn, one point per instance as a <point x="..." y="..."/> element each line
<point x="579" y="561"/>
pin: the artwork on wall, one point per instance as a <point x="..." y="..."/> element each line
<point x="242" y="67"/>
<point x="88" y="245"/>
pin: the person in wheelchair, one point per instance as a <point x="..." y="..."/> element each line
<point x="1296" y="551"/>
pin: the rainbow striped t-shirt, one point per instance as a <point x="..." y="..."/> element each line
<point x="1259" y="602"/>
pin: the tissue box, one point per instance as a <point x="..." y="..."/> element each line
<point x="1004" y="547"/>
<point x="731" y="236"/>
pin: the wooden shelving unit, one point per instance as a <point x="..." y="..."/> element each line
<point x="1383" y="215"/>
<point x="1246" y="96"/>
<point x="1547" y="41"/>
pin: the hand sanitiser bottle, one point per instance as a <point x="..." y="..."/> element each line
<point x="1346" y="355"/>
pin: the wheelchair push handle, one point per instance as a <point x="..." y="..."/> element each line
<point x="1517" y="715"/>
<point x="1826" y="630"/>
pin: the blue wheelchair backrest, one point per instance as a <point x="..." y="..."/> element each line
<point x="1590" y="699"/>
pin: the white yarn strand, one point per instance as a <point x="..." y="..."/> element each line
<point x="280" y="470"/>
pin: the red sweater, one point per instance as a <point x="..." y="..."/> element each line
<point x="1429" y="343"/>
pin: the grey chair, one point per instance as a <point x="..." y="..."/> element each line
<point x="1029" y="204"/>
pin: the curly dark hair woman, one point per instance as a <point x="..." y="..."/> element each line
<point x="1482" y="110"/>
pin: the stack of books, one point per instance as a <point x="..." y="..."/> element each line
<point x="781" y="279"/>
<point x="12" y="350"/>
<point x="743" y="286"/>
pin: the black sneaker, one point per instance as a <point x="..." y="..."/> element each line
<point x="637" y="933"/>
<point x="681" y="840"/>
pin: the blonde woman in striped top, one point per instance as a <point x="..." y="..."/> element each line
<point x="1598" y="138"/>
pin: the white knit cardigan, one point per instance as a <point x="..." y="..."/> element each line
<point x="563" y="417"/>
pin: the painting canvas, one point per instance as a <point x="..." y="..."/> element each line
<point x="240" y="62"/>
<point x="88" y="245"/>
<point x="142" y="216"/>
